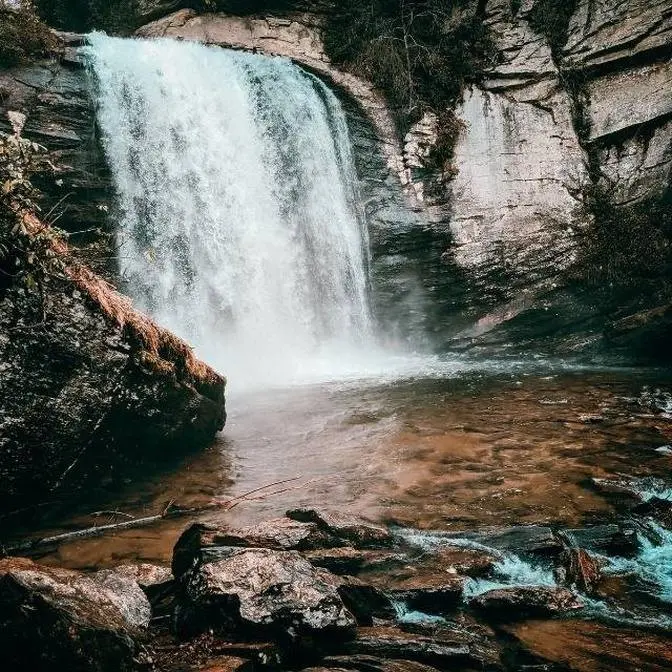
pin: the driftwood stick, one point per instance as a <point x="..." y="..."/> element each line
<point x="170" y="511"/>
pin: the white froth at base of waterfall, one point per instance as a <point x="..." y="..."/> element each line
<point x="240" y="225"/>
<point x="510" y="570"/>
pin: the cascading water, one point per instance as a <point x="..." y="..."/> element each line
<point x="240" y="227"/>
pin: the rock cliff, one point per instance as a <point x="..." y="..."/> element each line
<point x="498" y="237"/>
<point x="578" y="101"/>
<point x="54" y="108"/>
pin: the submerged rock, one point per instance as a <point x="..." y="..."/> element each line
<point x="57" y="619"/>
<point x="592" y="646"/>
<point x="263" y="592"/>
<point x="520" y="602"/>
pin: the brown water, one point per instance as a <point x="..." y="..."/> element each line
<point x="482" y="448"/>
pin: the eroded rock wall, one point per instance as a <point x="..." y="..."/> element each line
<point x="621" y="52"/>
<point x="53" y="103"/>
<point x="519" y="165"/>
<point x="555" y="118"/>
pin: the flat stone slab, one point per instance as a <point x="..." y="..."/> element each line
<point x="518" y="603"/>
<point x="277" y="534"/>
<point x="454" y="648"/>
<point x="360" y="532"/>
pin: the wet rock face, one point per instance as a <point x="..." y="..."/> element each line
<point x="350" y="528"/>
<point x="446" y="648"/>
<point x="53" y="99"/>
<point x="58" y="619"/>
<point x="263" y="592"/>
<point x="80" y="393"/>
<point x="511" y="604"/>
<point x="518" y="159"/>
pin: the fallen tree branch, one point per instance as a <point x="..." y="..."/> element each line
<point x="170" y="511"/>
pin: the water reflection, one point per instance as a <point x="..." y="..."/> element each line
<point x="445" y="454"/>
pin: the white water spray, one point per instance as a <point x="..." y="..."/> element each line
<point x="240" y="228"/>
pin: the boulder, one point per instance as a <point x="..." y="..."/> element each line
<point x="360" y="532"/>
<point x="282" y="534"/>
<point x="265" y="593"/>
<point x="56" y="619"/>
<point x="520" y="602"/>
<point x="88" y="383"/>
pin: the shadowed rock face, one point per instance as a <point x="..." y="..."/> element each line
<point x="60" y="619"/>
<point x="79" y="391"/>
<point x="86" y="379"/>
<point x="53" y="100"/>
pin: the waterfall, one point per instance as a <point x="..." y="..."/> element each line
<point x="239" y="225"/>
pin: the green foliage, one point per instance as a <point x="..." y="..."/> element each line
<point x="421" y="53"/>
<point x="27" y="249"/>
<point x="113" y="16"/>
<point x="449" y="127"/>
<point x="515" y="7"/>
<point x="628" y="248"/>
<point x="22" y="34"/>
<point x="550" y="18"/>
